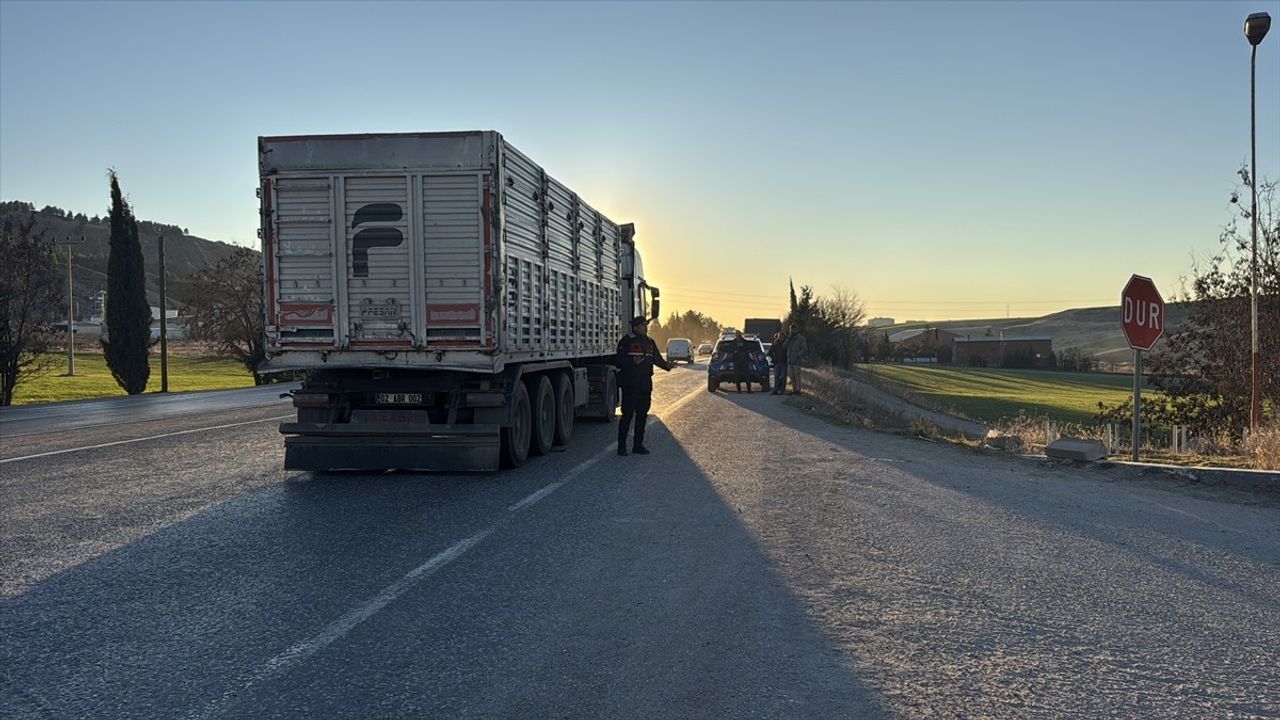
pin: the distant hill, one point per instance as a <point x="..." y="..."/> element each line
<point x="184" y="254"/>
<point x="1094" y="330"/>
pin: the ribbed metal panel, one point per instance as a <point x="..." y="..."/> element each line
<point x="522" y="204"/>
<point x="304" y="258"/>
<point x="380" y="242"/>
<point x="555" y="304"/>
<point x="560" y="235"/>
<point x="453" y="256"/>
<point x="377" y="253"/>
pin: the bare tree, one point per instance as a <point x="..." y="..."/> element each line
<point x="226" y="302"/>
<point x="833" y="324"/>
<point x="30" y="299"/>
<point x="1205" y="364"/>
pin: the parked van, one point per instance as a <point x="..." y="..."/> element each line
<point x="680" y="349"/>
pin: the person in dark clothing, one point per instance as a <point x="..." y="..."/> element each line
<point x="740" y="351"/>
<point x="778" y="353"/>
<point x="636" y="356"/>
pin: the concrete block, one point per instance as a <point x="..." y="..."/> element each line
<point x="1073" y="449"/>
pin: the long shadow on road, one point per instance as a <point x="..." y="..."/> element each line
<point x="633" y="591"/>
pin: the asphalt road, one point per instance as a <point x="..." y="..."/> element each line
<point x="762" y="563"/>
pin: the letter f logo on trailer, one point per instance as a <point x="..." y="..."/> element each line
<point x="373" y="237"/>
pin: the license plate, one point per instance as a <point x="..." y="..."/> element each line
<point x="399" y="399"/>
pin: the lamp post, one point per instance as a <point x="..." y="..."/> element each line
<point x="1255" y="28"/>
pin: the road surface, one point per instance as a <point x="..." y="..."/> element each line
<point x="762" y="563"/>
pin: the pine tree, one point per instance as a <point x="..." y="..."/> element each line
<point x="128" y="314"/>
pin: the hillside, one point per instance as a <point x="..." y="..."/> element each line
<point x="1094" y="330"/>
<point x="184" y="254"/>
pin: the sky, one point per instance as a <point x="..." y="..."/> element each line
<point x="940" y="160"/>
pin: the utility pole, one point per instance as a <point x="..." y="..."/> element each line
<point x="164" y="334"/>
<point x="71" y="309"/>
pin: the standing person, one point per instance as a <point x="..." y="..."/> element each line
<point x="741" y="353"/>
<point x="797" y="356"/>
<point x="778" y="352"/>
<point x="636" y="356"/>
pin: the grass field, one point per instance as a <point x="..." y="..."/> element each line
<point x="93" y="379"/>
<point x="989" y="395"/>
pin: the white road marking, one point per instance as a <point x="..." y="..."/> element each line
<point x="343" y="625"/>
<point x="604" y="452"/>
<point x="688" y="398"/>
<point x="143" y="439"/>
<point x="347" y="622"/>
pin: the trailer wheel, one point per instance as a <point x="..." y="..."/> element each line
<point x="564" y="409"/>
<point x="515" y="437"/>
<point x="544" y="415"/>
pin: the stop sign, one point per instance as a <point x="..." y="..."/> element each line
<point x="1142" y="313"/>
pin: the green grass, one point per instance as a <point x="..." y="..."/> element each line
<point x="93" y="379"/>
<point x="990" y="395"/>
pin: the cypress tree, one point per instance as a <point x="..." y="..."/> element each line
<point x="128" y="314"/>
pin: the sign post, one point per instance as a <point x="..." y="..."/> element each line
<point x="1142" y="318"/>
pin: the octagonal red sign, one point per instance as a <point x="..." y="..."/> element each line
<point x="1141" y="313"/>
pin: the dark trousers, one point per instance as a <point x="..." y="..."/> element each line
<point x="635" y="404"/>
<point x="742" y="374"/>
<point x="779" y="377"/>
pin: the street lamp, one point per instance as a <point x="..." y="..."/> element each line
<point x="1255" y="28"/>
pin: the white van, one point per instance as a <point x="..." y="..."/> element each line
<point x="680" y="349"/>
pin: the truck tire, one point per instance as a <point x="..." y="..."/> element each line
<point x="544" y="415"/>
<point x="565" y="409"/>
<point x="515" y="437"/>
<point x="609" y="396"/>
<point x="712" y="385"/>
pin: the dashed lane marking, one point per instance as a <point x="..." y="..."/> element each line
<point x="343" y="625"/>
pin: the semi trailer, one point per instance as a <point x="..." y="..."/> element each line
<point x="450" y="304"/>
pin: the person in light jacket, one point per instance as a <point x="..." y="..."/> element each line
<point x="797" y="356"/>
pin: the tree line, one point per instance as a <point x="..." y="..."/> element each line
<point x="226" y="298"/>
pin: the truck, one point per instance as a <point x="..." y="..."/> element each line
<point x="449" y="304"/>
<point x="764" y="328"/>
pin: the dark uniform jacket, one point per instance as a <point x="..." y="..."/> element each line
<point x="778" y="351"/>
<point x="740" y="351"/>
<point x="638" y="374"/>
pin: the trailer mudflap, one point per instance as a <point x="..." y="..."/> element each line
<point x="383" y="446"/>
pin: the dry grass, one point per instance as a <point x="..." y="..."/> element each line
<point x="1264" y="447"/>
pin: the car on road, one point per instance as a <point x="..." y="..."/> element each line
<point x="705" y="348"/>
<point x="721" y="369"/>
<point x="680" y="349"/>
